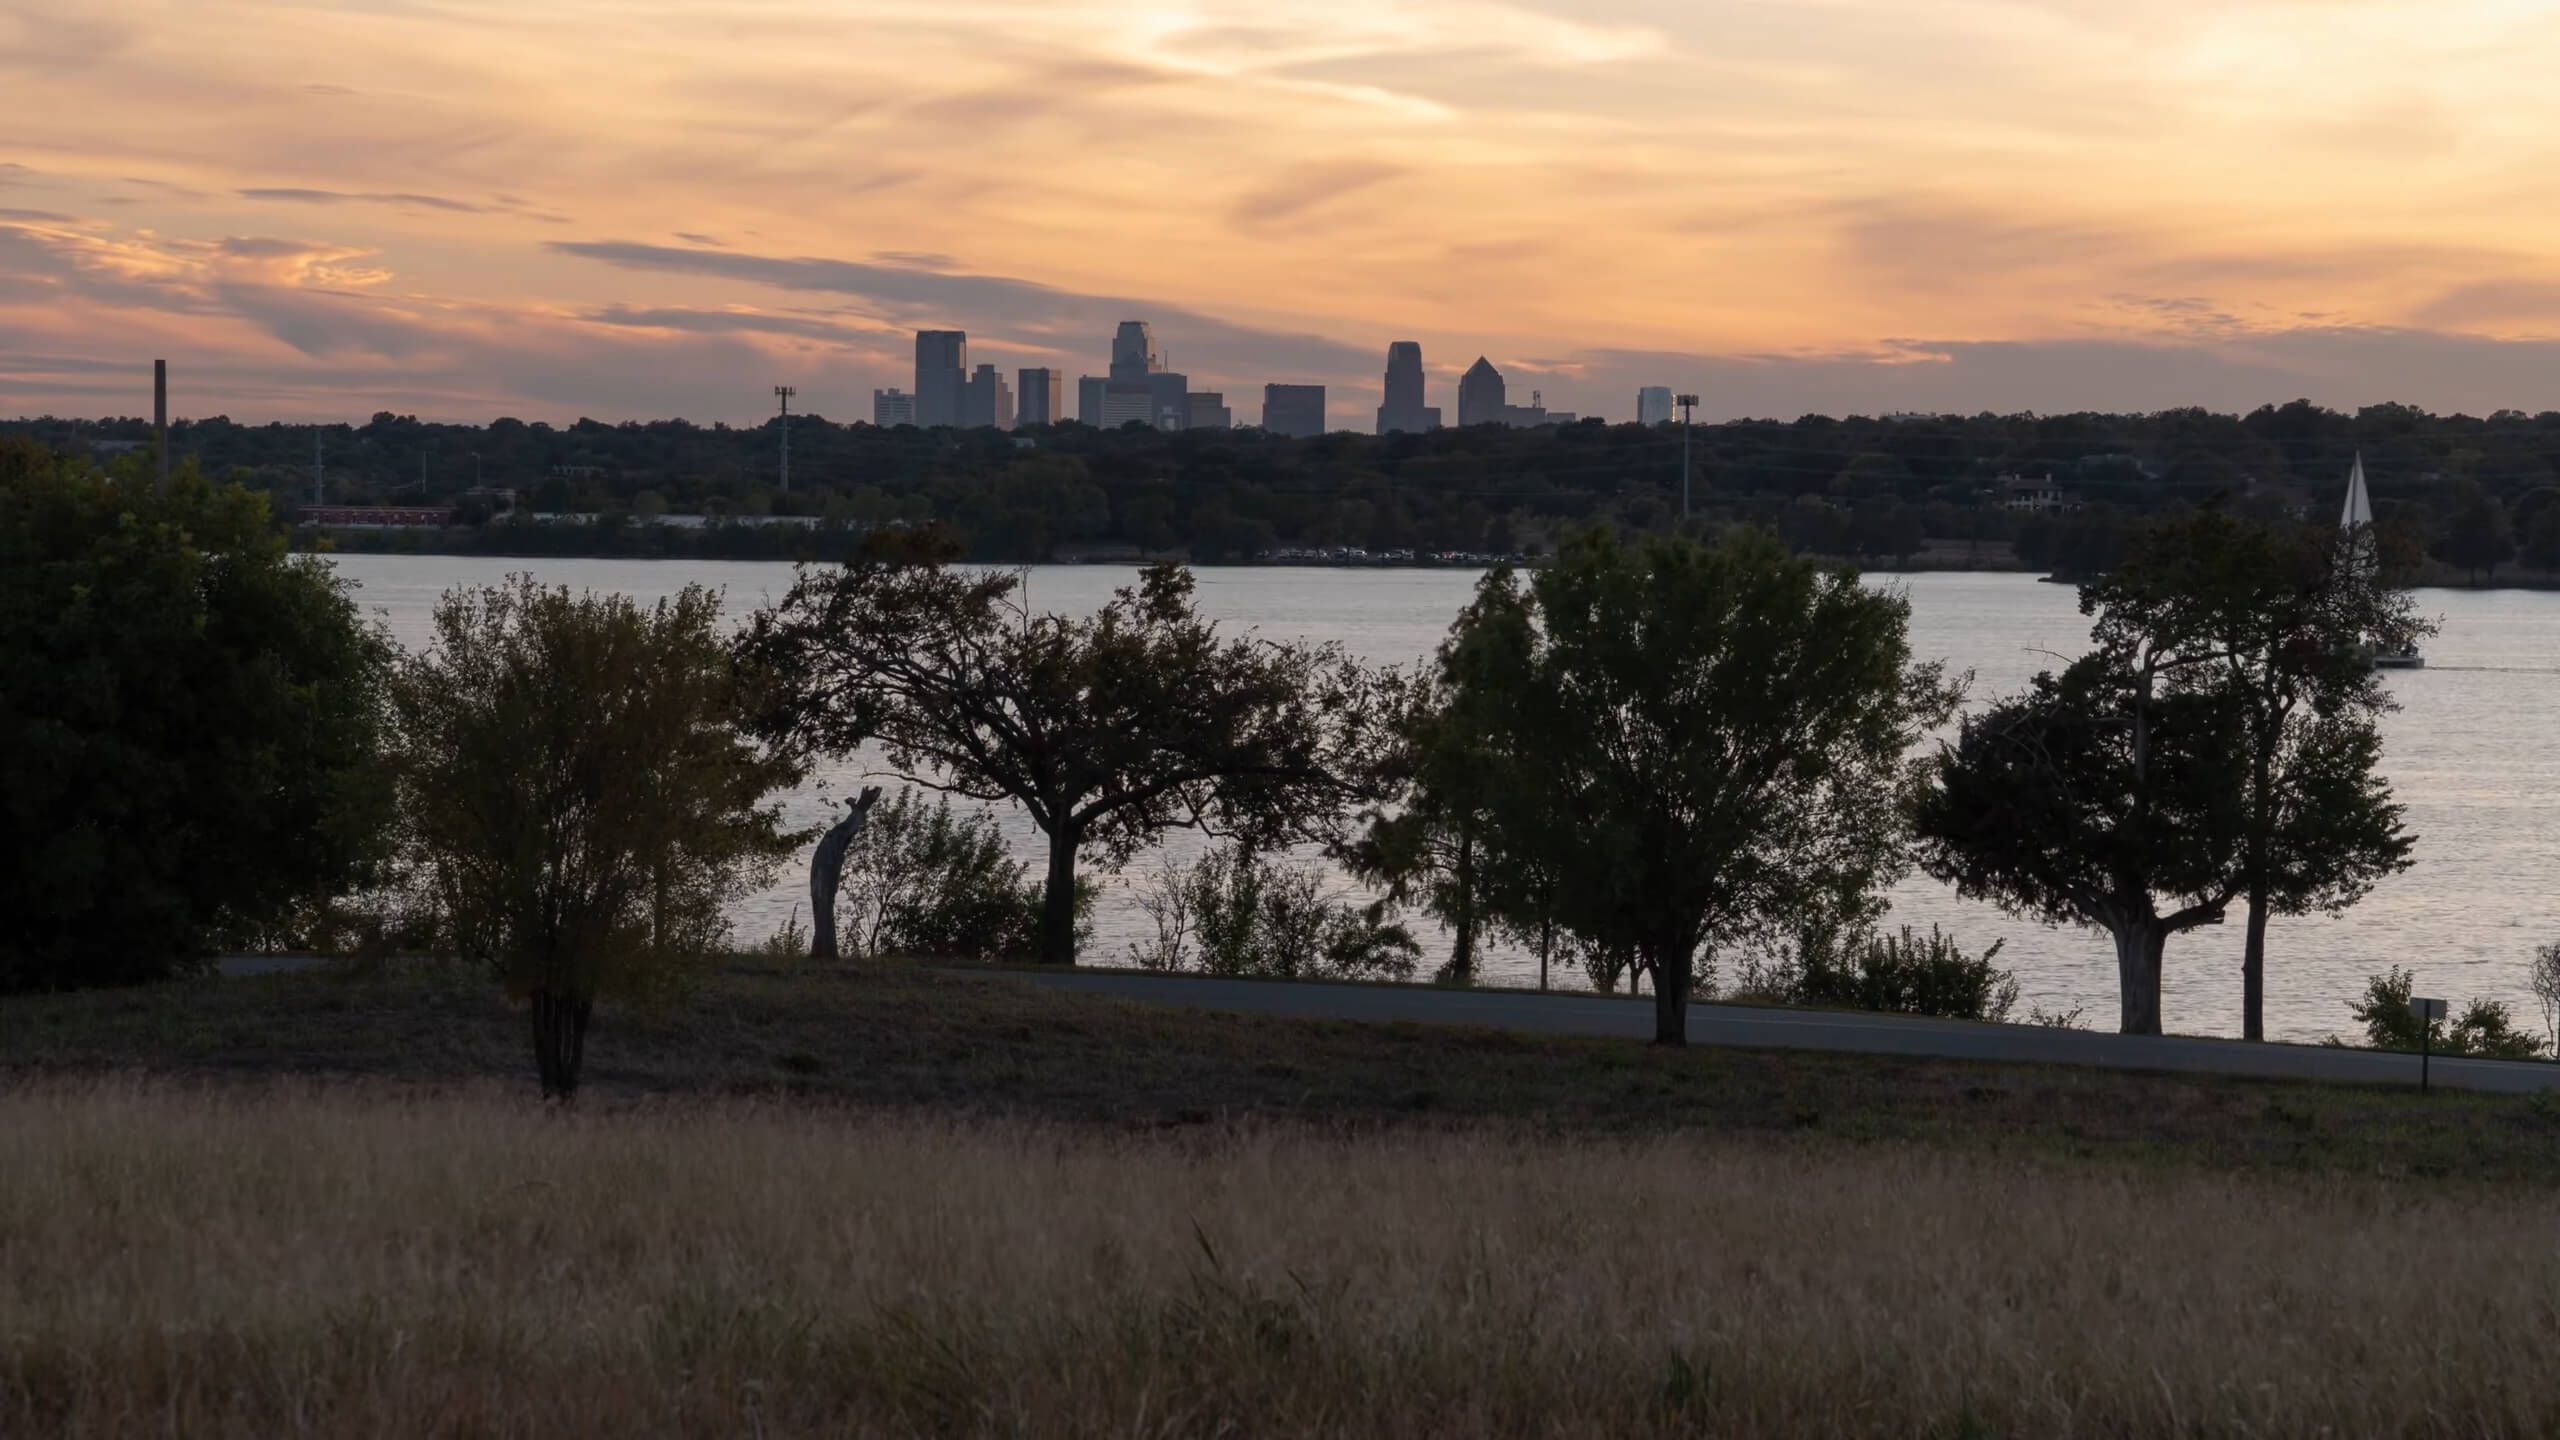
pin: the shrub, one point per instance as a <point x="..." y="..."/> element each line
<point x="1237" y="912"/>
<point x="1903" y="973"/>
<point x="2484" y="1027"/>
<point x="941" y="884"/>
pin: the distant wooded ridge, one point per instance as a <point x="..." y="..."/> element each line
<point x="2474" y="493"/>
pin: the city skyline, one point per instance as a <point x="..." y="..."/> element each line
<point x="459" y="209"/>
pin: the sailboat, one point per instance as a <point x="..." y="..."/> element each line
<point x="2357" y="525"/>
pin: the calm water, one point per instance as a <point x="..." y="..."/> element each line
<point x="2474" y="753"/>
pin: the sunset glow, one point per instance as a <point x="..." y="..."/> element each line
<point x="631" y="208"/>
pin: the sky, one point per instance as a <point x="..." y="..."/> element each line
<point x="646" y="208"/>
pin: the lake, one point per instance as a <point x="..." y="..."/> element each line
<point x="2473" y="752"/>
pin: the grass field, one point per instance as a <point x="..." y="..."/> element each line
<point x="909" y="1039"/>
<point x="265" y="1262"/>
<point x="906" y="1202"/>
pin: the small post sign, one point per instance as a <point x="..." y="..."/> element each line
<point x="2428" y="1013"/>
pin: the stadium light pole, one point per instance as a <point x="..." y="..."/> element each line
<point x="1688" y="412"/>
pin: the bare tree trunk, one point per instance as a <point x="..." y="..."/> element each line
<point x="2138" y="949"/>
<point x="826" y="872"/>
<point x="2253" y="961"/>
<point x="560" y="1039"/>
<point x="1462" y="956"/>
<point x="1058" y="901"/>
<point x="1671" y="995"/>
<point x="2253" y="967"/>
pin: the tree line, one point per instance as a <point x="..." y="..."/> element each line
<point x="1654" y="757"/>
<point x="2473" y="493"/>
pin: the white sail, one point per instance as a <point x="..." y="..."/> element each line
<point x="2359" y="499"/>
<point x="2365" y="551"/>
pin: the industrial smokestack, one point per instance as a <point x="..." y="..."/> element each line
<point x="160" y="416"/>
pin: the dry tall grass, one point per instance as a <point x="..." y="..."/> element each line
<point x="298" y="1262"/>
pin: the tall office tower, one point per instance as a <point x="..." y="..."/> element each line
<point x="1133" y="352"/>
<point x="1171" y="393"/>
<point x="1043" y="397"/>
<point x="1090" y="390"/>
<point x="892" y="407"/>
<point x="1293" y="409"/>
<point x="1404" y="410"/>
<point x="988" y="401"/>
<point x="1481" y="398"/>
<point x="1206" y="410"/>
<point x="942" y="375"/>
<point x="1653" y="405"/>
<point x="1124" y="401"/>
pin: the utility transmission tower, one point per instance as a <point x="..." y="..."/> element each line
<point x="784" y="393"/>
<point x="1688" y="412"/>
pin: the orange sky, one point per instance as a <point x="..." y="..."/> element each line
<point x="629" y="208"/>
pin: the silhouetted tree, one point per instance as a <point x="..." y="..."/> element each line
<point x="579" y="805"/>
<point x="1697" y="745"/>
<point x="2106" y="797"/>
<point x="1107" y="731"/>
<point x="189" y="726"/>
<point x="2285" y="621"/>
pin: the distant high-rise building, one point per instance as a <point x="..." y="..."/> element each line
<point x="942" y="375"/>
<point x="1090" y="390"/>
<point x="1042" y="397"/>
<point x="1133" y="352"/>
<point x="1481" y="395"/>
<point x="1653" y="405"/>
<point x="1124" y="401"/>
<point x="1404" y="410"/>
<point x="988" y="401"/>
<point x="1293" y="409"/>
<point x="892" y="407"/>
<point x="1206" y="410"/>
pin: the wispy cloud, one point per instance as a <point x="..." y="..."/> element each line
<point x="1776" y="189"/>
<point x="295" y="196"/>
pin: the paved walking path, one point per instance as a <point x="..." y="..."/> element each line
<point x="1795" y="1029"/>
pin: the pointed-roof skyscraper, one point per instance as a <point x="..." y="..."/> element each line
<point x="1481" y="395"/>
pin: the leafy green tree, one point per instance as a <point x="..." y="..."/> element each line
<point x="2281" y="622"/>
<point x="1704" y="744"/>
<point x="189" y="726"/>
<point x="1108" y="731"/>
<point x="579" y="805"/>
<point x="2477" y="540"/>
<point x="2106" y="797"/>
<point x="2542" y="542"/>
<point x="1423" y="843"/>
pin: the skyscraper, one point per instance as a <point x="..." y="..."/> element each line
<point x="1206" y="410"/>
<point x="1090" y="390"/>
<point x="1043" y="397"/>
<point x="1481" y="397"/>
<point x="892" y="407"/>
<point x="1653" y="405"/>
<point x="987" y="401"/>
<point x="1404" y="410"/>
<point x="942" y="374"/>
<point x="1133" y="352"/>
<point x="1293" y="409"/>
<point x="1124" y="401"/>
